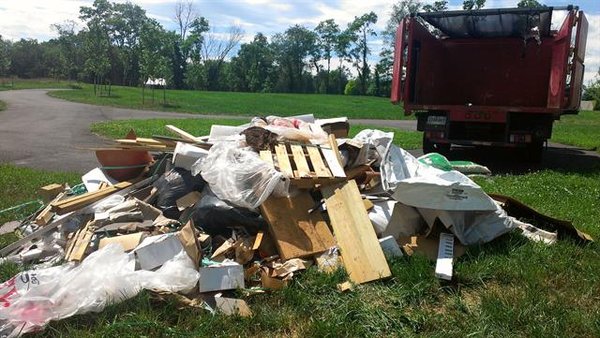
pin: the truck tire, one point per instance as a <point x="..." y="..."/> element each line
<point x="431" y="147"/>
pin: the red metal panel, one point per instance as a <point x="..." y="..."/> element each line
<point x="398" y="62"/>
<point x="477" y="116"/>
<point x="578" y="67"/>
<point x="560" y="55"/>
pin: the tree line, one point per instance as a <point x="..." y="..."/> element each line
<point x="121" y="45"/>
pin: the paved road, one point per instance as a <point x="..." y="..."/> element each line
<point x="43" y="132"/>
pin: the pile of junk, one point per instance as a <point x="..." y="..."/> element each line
<point x="247" y="208"/>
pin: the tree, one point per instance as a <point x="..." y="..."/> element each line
<point x="253" y="66"/>
<point x="27" y="59"/>
<point x="360" y="30"/>
<point x="156" y="45"/>
<point x="473" y="4"/>
<point x="292" y="48"/>
<point x="95" y="49"/>
<point x="342" y="47"/>
<point x="184" y="16"/>
<point x="328" y="35"/>
<point x="591" y="91"/>
<point x="215" y="49"/>
<point x="69" y="43"/>
<point x="436" y="6"/>
<point x="5" y="59"/>
<point x="530" y="4"/>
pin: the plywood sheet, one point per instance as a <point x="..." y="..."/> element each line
<point x="362" y="255"/>
<point x="296" y="232"/>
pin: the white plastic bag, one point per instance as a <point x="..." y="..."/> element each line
<point x="33" y="298"/>
<point x="238" y="175"/>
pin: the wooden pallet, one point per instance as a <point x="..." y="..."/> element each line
<point x="306" y="165"/>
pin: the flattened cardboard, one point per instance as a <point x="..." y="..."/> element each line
<point x="156" y="250"/>
<point x="128" y="242"/>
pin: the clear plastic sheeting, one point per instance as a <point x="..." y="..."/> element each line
<point x="238" y="175"/>
<point x="33" y="298"/>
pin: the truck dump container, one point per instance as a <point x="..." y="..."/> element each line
<point x="493" y="77"/>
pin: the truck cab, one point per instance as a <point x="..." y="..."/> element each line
<point x="492" y="77"/>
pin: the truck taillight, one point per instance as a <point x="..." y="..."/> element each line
<point x="520" y="138"/>
<point x="437" y="135"/>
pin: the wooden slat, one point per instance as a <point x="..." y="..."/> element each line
<point x="300" y="159"/>
<point x="284" y="161"/>
<point x="332" y="163"/>
<point x="317" y="162"/>
<point x="82" y="243"/>
<point x="296" y="232"/>
<point x="267" y="156"/>
<point x="46" y="215"/>
<point x="80" y="201"/>
<point x="182" y="133"/>
<point x="362" y="255"/>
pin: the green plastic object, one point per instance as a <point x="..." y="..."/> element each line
<point x="441" y="162"/>
<point x="436" y="160"/>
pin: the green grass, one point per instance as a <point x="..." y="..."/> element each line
<point x="582" y="130"/>
<point x="10" y="84"/>
<point x="246" y="104"/>
<point x="2" y="105"/>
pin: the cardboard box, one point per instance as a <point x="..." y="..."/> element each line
<point x="221" y="277"/>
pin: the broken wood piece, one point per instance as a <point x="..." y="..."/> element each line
<point x="50" y="191"/>
<point x="232" y="306"/>
<point x="46" y="215"/>
<point x="362" y="255"/>
<point x="296" y="232"/>
<point x="81" y="243"/>
<point x="183" y="134"/>
<point x="80" y="201"/>
<point x="345" y="286"/>
<point x="258" y="240"/>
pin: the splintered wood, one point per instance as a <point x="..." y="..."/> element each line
<point x="305" y="165"/>
<point x="362" y="255"/>
<point x="297" y="233"/>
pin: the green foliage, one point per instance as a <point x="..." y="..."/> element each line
<point x="351" y="88"/>
<point x="473" y="4"/>
<point x="582" y="130"/>
<point x="5" y="57"/>
<point x="436" y="6"/>
<point x="292" y="49"/>
<point x="530" y="4"/>
<point x="591" y="91"/>
<point x="359" y="31"/>
<point x="247" y="104"/>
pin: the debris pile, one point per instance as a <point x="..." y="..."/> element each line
<point x="247" y="207"/>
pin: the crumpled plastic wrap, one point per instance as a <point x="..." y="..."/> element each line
<point x="31" y="299"/>
<point x="238" y="175"/>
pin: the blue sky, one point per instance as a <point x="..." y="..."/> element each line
<point x="32" y="18"/>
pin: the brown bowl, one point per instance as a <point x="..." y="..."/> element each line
<point x="135" y="159"/>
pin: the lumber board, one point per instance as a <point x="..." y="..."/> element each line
<point x="300" y="160"/>
<point x="362" y="255"/>
<point x="296" y="232"/>
<point x="332" y="162"/>
<point x="317" y="162"/>
<point x="267" y="156"/>
<point x="283" y="160"/>
<point x="46" y="215"/>
<point x="82" y="243"/>
<point x="77" y="202"/>
<point x="182" y="133"/>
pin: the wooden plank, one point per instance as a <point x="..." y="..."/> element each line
<point x="332" y="163"/>
<point x="363" y="258"/>
<point x="86" y="199"/>
<point x="182" y="133"/>
<point x="284" y="161"/>
<point x="82" y="243"/>
<point x="300" y="159"/>
<point x="267" y="156"/>
<point x="296" y="232"/>
<point x="317" y="162"/>
<point x="46" y="215"/>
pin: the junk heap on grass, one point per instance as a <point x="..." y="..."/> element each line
<point x="247" y="207"/>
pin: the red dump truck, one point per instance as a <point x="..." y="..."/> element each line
<point x="492" y="77"/>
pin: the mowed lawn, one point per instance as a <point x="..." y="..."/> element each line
<point x="582" y="130"/>
<point x="245" y="104"/>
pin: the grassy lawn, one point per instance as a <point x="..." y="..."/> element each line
<point x="246" y="104"/>
<point x="510" y="287"/>
<point x="582" y="130"/>
<point x="2" y="105"/>
<point x="9" y="84"/>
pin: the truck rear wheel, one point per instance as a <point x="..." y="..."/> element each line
<point x="431" y="147"/>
